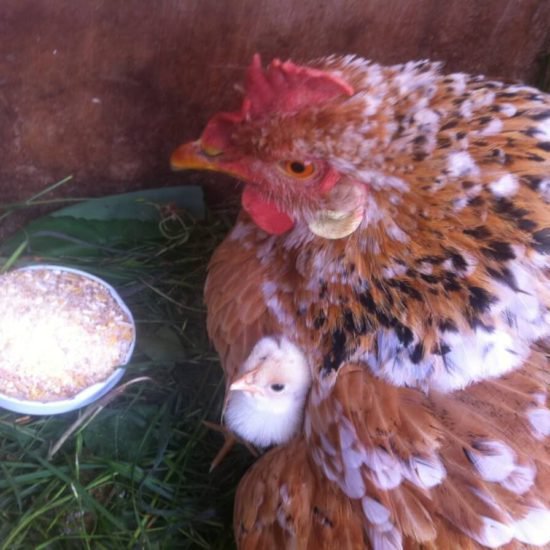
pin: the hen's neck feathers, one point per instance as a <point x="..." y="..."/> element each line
<point x="449" y="267"/>
<point x="433" y="150"/>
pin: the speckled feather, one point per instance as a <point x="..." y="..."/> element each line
<point x="428" y="422"/>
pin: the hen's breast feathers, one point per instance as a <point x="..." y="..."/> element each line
<point x="481" y="454"/>
<point x="429" y="408"/>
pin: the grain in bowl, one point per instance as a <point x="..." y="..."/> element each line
<point x="61" y="331"/>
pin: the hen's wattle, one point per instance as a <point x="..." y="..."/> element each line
<point x="396" y="228"/>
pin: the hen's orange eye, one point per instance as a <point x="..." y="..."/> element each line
<point x="298" y="169"/>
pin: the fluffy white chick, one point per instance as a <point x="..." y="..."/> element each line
<point x="266" y="403"/>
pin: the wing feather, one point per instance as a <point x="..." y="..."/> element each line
<point x="237" y="313"/>
<point x="282" y="502"/>
<point x="468" y="460"/>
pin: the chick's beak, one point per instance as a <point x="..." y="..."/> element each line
<point x="246" y="383"/>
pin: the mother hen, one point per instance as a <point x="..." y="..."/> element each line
<point x="396" y="229"/>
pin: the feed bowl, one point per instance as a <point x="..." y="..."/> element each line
<point x="80" y="296"/>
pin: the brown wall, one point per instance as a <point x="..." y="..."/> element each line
<point x="105" y="89"/>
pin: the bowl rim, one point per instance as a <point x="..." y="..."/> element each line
<point x="91" y="393"/>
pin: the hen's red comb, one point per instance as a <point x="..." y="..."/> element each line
<point x="283" y="87"/>
<point x="286" y="87"/>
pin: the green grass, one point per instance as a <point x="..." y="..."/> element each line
<point x="132" y="470"/>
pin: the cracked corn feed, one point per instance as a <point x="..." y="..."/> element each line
<point x="60" y="332"/>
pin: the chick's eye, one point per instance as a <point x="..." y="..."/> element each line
<point x="298" y="169"/>
<point x="277" y="387"/>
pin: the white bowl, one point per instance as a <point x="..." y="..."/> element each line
<point x="89" y="394"/>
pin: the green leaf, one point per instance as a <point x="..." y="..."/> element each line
<point x="94" y="227"/>
<point x="139" y="205"/>
<point x="77" y="237"/>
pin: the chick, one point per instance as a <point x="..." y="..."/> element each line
<point x="265" y="403"/>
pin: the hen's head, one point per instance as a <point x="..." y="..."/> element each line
<point x="298" y="142"/>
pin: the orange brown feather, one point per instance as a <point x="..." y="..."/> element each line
<point x="428" y="422"/>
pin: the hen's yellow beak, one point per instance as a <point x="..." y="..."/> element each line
<point x="197" y="156"/>
<point x="193" y="156"/>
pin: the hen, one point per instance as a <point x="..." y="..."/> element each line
<point x="396" y="229"/>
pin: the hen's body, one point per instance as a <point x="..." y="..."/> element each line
<point x="428" y="418"/>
